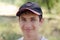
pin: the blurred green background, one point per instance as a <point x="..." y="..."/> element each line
<point x="9" y="25"/>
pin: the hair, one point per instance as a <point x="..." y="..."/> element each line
<point x="27" y="11"/>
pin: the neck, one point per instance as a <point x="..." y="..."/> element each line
<point x="32" y="37"/>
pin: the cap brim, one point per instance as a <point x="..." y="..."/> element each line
<point x="18" y="13"/>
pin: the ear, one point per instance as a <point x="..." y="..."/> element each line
<point x="41" y="21"/>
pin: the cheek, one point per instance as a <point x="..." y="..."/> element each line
<point x="33" y="27"/>
<point x="21" y="25"/>
<point x="36" y="25"/>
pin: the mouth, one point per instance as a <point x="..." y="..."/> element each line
<point x="28" y="30"/>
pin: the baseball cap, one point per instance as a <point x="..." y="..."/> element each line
<point x="31" y="6"/>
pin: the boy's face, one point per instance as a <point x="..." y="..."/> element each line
<point x="29" y="23"/>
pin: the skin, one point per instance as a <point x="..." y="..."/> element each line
<point x="30" y="24"/>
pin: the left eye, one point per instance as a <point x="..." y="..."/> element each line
<point x="33" y="20"/>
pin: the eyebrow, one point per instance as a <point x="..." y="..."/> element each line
<point x="22" y="17"/>
<point x="32" y="17"/>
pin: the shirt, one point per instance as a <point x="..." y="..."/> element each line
<point x="42" y="38"/>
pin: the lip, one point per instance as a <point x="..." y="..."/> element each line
<point x="28" y="30"/>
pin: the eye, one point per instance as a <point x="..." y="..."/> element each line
<point x="23" y="19"/>
<point x="33" y="19"/>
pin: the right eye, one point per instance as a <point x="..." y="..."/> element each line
<point x="33" y="19"/>
<point x="23" y="19"/>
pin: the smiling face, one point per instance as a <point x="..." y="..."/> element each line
<point x="29" y="23"/>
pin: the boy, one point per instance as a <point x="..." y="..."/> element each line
<point x="30" y="20"/>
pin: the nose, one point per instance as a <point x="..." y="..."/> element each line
<point x="27" y="25"/>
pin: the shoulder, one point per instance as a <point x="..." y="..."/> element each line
<point x="43" y="38"/>
<point x="20" y="38"/>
